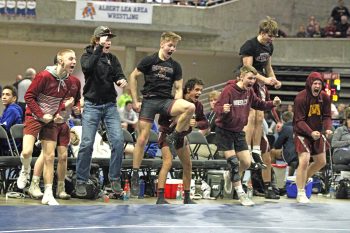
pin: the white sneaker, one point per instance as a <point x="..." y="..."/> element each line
<point x="245" y="201"/>
<point x="302" y="198"/>
<point x="48" y="199"/>
<point x="23" y="178"/>
<point x="63" y="195"/>
<point x="34" y="190"/>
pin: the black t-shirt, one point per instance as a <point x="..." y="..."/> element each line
<point x="260" y="53"/>
<point x="159" y="76"/>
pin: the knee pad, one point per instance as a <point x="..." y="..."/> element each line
<point x="234" y="166"/>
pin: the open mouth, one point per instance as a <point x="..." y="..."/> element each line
<point x="107" y="47"/>
<point x="169" y="53"/>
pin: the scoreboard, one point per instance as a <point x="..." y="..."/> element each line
<point x="332" y="85"/>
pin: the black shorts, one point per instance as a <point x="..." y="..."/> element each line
<point x="151" y="106"/>
<point x="228" y="140"/>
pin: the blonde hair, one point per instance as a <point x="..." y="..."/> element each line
<point x="169" y="36"/>
<point x="248" y="68"/>
<point x="213" y="95"/>
<point x="269" y="26"/>
<point x="62" y="52"/>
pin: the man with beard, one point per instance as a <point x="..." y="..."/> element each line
<point x="312" y="116"/>
<point x="232" y="110"/>
<point x="161" y="72"/>
<point x="257" y="52"/>
<point x="192" y="91"/>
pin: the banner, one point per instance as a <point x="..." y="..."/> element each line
<point x="114" y="12"/>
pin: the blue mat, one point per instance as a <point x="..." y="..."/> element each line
<point x="269" y="217"/>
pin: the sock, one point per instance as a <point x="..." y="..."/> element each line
<point x="48" y="189"/>
<point x="267" y="185"/>
<point x="301" y="191"/>
<point x="161" y="193"/>
<point x="36" y="178"/>
<point x="187" y="194"/>
<point x="60" y="186"/>
<point x="256" y="149"/>
<point x="239" y="190"/>
<point x="250" y="148"/>
<point x="26" y="161"/>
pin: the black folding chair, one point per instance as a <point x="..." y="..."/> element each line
<point x="197" y="138"/>
<point x="4" y="136"/>
<point x="16" y="132"/>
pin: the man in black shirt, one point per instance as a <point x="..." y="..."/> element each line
<point x="257" y="52"/>
<point x="160" y="72"/>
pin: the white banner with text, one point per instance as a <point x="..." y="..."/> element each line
<point x="114" y="12"/>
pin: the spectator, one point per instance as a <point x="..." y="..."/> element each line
<point x="341" y="142"/>
<point x="301" y="31"/>
<point x="128" y="117"/>
<point x="310" y="28"/>
<point x="329" y="30"/>
<point x="342" y="27"/>
<point x="23" y="86"/>
<point x="339" y="11"/>
<point x="12" y="114"/>
<point x="341" y="111"/>
<point x="212" y="98"/>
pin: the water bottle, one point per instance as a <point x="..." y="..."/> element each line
<point x="101" y="178"/>
<point x="332" y="191"/>
<point x="126" y="195"/>
<point x="179" y="192"/>
<point x="142" y="189"/>
<point x="250" y="189"/>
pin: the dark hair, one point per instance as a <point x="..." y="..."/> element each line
<point x="191" y="83"/>
<point x="12" y="88"/>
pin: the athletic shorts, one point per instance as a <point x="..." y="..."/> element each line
<point x="56" y="132"/>
<point x="305" y="144"/>
<point x="151" y="106"/>
<point x="32" y="126"/>
<point x="228" y="140"/>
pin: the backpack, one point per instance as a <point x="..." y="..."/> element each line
<point x="343" y="190"/>
<point x="93" y="187"/>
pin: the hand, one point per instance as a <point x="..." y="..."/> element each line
<point x="270" y="81"/>
<point x="58" y="119"/>
<point x="315" y="135"/>
<point x="136" y="106"/>
<point x="103" y="40"/>
<point x="47" y="118"/>
<point x="122" y="83"/>
<point x="76" y="110"/>
<point x="193" y="123"/>
<point x="276" y="101"/>
<point x="278" y="84"/>
<point x="279" y="127"/>
<point x="69" y="103"/>
<point x="227" y="108"/>
<point x="328" y="133"/>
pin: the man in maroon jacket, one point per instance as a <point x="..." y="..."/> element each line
<point x="312" y="115"/>
<point x="232" y="110"/>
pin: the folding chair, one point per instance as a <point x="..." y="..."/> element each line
<point x="4" y="136"/>
<point x="16" y="132"/>
<point x="197" y="138"/>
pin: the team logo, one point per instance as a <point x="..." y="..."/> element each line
<point x="89" y="10"/>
